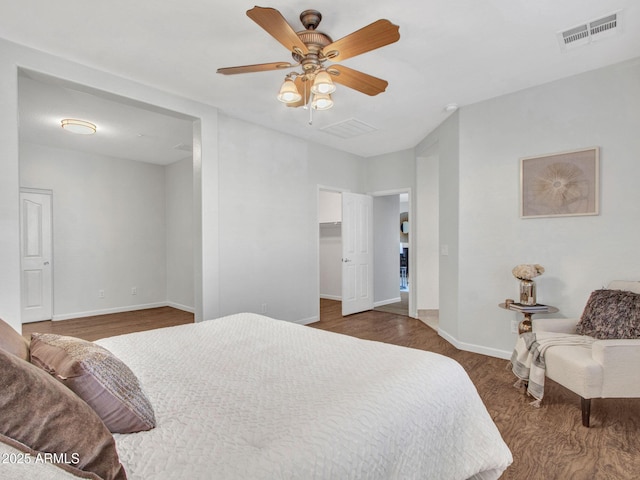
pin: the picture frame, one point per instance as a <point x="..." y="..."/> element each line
<point x="560" y="184"/>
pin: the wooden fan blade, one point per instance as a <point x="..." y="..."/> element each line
<point x="357" y="80"/>
<point x="274" y="23"/>
<point x="376" y="35"/>
<point x="305" y="92"/>
<point x="261" y="67"/>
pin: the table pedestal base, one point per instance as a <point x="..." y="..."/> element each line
<point x="525" y="325"/>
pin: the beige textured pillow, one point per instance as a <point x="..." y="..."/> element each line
<point x="12" y="342"/>
<point x="39" y="415"/>
<point x="98" y="377"/>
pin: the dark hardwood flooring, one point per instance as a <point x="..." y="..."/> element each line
<point x="110" y="325"/>
<point x="547" y="443"/>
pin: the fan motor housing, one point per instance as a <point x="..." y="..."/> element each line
<point x="315" y="42"/>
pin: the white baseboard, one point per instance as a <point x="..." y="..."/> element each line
<point x="106" y="311"/>
<point x="331" y="297"/>
<point x="306" y="321"/>
<point x="179" y="306"/>
<point x="386" y="302"/>
<point x="470" y="347"/>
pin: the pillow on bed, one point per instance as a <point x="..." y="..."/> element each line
<point x="98" y="377"/>
<point x="12" y="342"/>
<point x="39" y="415"/>
<point x="611" y="314"/>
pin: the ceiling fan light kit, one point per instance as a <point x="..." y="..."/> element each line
<point x="288" y="92"/>
<point x="321" y="101"/>
<point x="323" y="83"/>
<point x="311" y="49"/>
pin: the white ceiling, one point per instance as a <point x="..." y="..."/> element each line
<point x="124" y="129"/>
<point x="450" y="51"/>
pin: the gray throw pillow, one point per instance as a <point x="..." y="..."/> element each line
<point x="611" y="314"/>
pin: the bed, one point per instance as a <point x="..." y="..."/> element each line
<point x="249" y="397"/>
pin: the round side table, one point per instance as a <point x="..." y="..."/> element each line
<point x="525" y="324"/>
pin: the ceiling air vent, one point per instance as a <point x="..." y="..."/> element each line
<point x="590" y="31"/>
<point x="349" y="128"/>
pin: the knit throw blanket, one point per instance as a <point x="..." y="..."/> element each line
<point x="527" y="360"/>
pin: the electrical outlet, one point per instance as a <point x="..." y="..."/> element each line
<point x="134" y="290"/>
<point x="514" y="326"/>
<point x="263" y="308"/>
<point x="100" y="293"/>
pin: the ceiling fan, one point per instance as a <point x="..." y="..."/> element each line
<point x="311" y="50"/>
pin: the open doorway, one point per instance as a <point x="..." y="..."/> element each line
<point x="391" y="247"/>
<point x="346" y="249"/>
<point x="392" y="253"/>
<point x="123" y="198"/>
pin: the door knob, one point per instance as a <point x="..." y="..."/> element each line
<point x="46" y="263"/>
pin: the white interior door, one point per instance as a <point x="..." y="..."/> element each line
<point x="357" y="253"/>
<point x="36" y="256"/>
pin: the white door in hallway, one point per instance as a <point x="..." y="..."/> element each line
<point x="357" y="253"/>
<point x="36" y="256"/>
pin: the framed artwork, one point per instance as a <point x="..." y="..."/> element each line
<point x="560" y="184"/>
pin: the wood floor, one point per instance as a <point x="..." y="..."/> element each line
<point x="400" y="308"/>
<point x="547" y="443"/>
<point x="101" y="326"/>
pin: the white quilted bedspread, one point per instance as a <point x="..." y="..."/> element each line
<point x="249" y="397"/>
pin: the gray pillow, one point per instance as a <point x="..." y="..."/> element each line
<point x="98" y="377"/>
<point x="611" y="314"/>
<point x="39" y="415"/>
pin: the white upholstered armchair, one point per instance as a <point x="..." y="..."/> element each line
<point x="609" y="369"/>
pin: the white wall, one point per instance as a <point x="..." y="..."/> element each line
<point x="108" y="229"/>
<point x="392" y="171"/>
<point x="329" y="207"/>
<point x="330" y="261"/>
<point x="9" y="191"/>
<point x="580" y="254"/>
<point x="179" y="234"/>
<point x="443" y="142"/>
<point x="269" y="218"/>
<point x="427" y="208"/>
<point x="386" y="248"/>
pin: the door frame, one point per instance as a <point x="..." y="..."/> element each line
<point x="320" y="188"/>
<point x="413" y="313"/>
<point x="49" y="193"/>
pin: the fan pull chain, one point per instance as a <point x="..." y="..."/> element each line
<point x="307" y="104"/>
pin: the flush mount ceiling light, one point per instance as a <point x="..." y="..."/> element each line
<point x="78" y="126"/>
<point x="310" y="50"/>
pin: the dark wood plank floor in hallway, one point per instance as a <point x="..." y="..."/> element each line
<point x="112" y="324"/>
